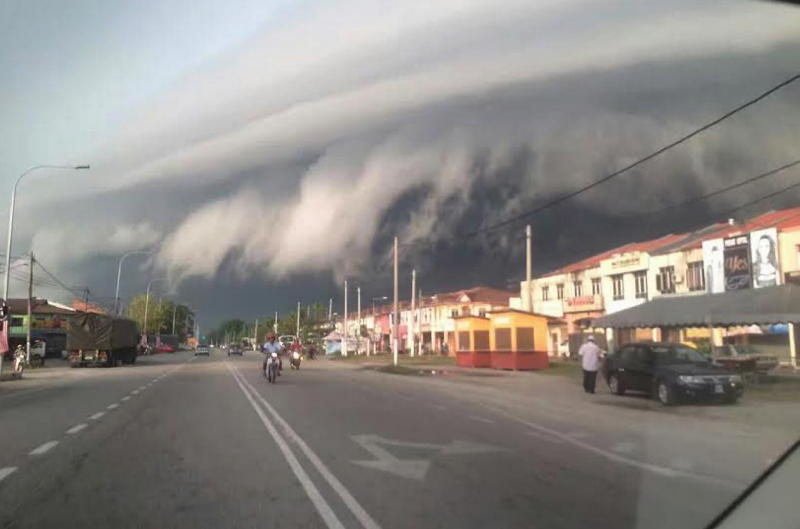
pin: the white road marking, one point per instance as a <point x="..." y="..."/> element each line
<point x="440" y="407"/>
<point x="650" y="467"/>
<point x="578" y="435"/>
<point x="126" y="397"/>
<point x="348" y="499"/>
<point x="135" y="392"/>
<point x="624" y="447"/>
<point x="112" y="406"/>
<point x="538" y="435"/>
<point x="142" y="388"/>
<point x="324" y="510"/>
<point x="6" y="471"/>
<point x="77" y="428"/>
<point x="97" y="415"/>
<point x="43" y="449"/>
<point x="481" y="419"/>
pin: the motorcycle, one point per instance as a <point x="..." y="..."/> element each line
<point x="295" y="362"/>
<point x="19" y="361"/>
<point x="272" y="367"/>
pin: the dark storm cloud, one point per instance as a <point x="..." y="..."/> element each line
<point x="284" y="163"/>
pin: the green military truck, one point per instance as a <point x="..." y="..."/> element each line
<point x="101" y="340"/>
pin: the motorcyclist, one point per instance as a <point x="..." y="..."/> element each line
<point x="272" y="346"/>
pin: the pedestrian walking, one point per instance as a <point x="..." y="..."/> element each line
<point x="590" y="361"/>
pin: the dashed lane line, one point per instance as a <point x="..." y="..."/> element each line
<point x="481" y="419"/>
<point x="112" y="406"/>
<point x="125" y="398"/>
<point x="6" y="471"/>
<point x="97" y="415"/>
<point x="77" y="428"/>
<point x="43" y="449"/>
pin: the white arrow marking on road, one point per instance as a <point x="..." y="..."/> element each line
<point x="411" y="468"/>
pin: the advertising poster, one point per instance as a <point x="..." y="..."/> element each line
<point x="737" y="262"/>
<point x="713" y="261"/>
<point x="764" y="251"/>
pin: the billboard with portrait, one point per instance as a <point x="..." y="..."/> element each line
<point x="764" y="251"/>
<point x="737" y="262"/>
<point x="713" y="262"/>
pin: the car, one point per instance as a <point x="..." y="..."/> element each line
<point x="670" y="372"/>
<point x="234" y="349"/>
<point x="165" y="348"/>
<point x="202" y="350"/>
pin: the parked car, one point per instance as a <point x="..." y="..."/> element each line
<point x="671" y="372"/>
<point x="202" y="349"/>
<point x="235" y="349"/>
<point x="165" y="348"/>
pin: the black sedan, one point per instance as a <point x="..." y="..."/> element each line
<point x="671" y="372"/>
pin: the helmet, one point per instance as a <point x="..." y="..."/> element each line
<point x="271" y="336"/>
<point x="590" y="337"/>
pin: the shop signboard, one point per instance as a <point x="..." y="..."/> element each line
<point x="764" y="250"/>
<point x="737" y="262"/>
<point x="583" y="303"/>
<point x="714" y="265"/>
<point x="626" y="262"/>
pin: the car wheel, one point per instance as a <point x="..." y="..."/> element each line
<point x="664" y="394"/>
<point x="615" y="385"/>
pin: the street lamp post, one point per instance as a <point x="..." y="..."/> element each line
<point x="147" y="303"/>
<point x="119" y="275"/>
<point x="11" y="225"/>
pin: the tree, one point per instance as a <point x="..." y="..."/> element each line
<point x="159" y="316"/>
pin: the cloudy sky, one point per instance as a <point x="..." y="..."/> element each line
<point x="267" y="150"/>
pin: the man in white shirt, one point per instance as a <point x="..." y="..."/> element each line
<point x="590" y="361"/>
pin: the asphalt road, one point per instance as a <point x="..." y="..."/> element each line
<point x="178" y="441"/>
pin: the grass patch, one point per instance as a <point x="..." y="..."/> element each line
<point x="398" y="370"/>
<point x="563" y="369"/>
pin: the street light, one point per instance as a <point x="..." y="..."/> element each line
<point x="147" y="302"/>
<point x="119" y="274"/>
<point x="11" y="229"/>
<point x="11" y="215"/>
<point x="380" y="298"/>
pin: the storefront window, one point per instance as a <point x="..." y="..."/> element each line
<point x="463" y="340"/>
<point x="665" y="281"/>
<point x="641" y="284"/>
<point x="695" y="276"/>
<point x="596" y="286"/>
<point x="524" y="338"/>
<point x="577" y="287"/>
<point x="502" y="339"/>
<point x="481" y="340"/>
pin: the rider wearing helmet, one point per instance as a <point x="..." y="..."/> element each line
<point x="272" y="346"/>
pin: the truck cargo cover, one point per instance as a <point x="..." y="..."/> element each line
<point x="98" y="331"/>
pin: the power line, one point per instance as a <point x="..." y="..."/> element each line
<point x="682" y="139"/>
<point x="765" y="197"/>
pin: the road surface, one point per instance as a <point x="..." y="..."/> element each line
<point x="178" y="441"/>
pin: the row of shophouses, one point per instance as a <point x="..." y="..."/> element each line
<point x="763" y="251"/>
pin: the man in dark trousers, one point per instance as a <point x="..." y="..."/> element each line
<point x="590" y="361"/>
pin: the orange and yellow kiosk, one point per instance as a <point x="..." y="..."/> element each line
<point x="472" y="341"/>
<point x="518" y="339"/>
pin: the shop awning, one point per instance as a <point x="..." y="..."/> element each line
<point x="761" y="306"/>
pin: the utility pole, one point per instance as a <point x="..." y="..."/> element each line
<point x="358" y="332"/>
<point x="344" y="339"/>
<point x="255" y="337"/>
<point x="413" y="313"/>
<point x="30" y="311"/>
<point x="528" y="268"/>
<point x="174" y="313"/>
<point x="395" y="326"/>
<point x="86" y="300"/>
<point x="298" y="322"/>
<point x="275" y="325"/>
<point x="330" y="310"/>
<point x="419" y="320"/>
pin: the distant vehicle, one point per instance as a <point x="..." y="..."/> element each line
<point x="97" y="339"/>
<point x="165" y="348"/>
<point x="202" y="349"/>
<point x="287" y="340"/>
<point x="235" y="349"/>
<point x="671" y="372"/>
<point x="295" y="359"/>
<point x="272" y="368"/>
<point x="743" y="357"/>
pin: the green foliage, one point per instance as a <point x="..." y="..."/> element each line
<point x="160" y="314"/>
